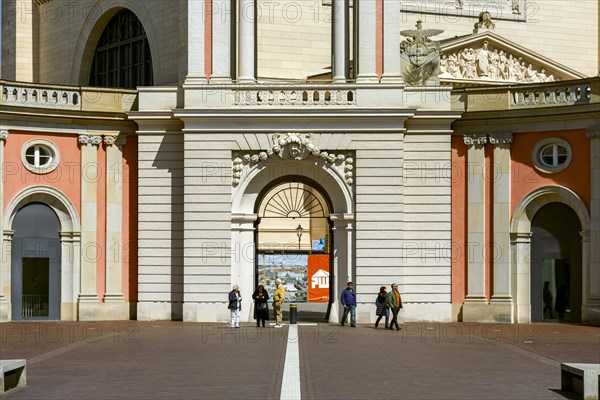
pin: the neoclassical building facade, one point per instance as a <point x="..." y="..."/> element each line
<point x="156" y="153"/>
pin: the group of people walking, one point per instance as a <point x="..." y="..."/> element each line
<point x="384" y="303"/>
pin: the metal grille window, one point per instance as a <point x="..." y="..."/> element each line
<point x="122" y="58"/>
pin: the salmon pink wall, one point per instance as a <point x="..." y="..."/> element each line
<point x="525" y="177"/>
<point x="459" y="219"/>
<point x="66" y="178"/>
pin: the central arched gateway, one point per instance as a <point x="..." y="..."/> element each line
<point x="324" y="210"/>
<point x="293" y="242"/>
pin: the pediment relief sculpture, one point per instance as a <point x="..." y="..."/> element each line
<point x="293" y="146"/>
<point x="493" y="65"/>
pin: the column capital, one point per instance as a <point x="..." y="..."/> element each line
<point x="93" y="140"/>
<point x="475" y="139"/>
<point x="501" y="138"/>
<point x="119" y="140"/>
<point x="3" y="134"/>
<point x="594" y="131"/>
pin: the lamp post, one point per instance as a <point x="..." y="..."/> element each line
<point x="299" y="230"/>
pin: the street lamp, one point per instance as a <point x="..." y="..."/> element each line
<point x="299" y="230"/>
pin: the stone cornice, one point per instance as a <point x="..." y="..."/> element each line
<point x="477" y="139"/>
<point x="93" y="140"/>
<point x="501" y="138"/>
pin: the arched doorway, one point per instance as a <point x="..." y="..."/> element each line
<point x="294" y="242"/>
<point x="556" y="273"/>
<point x="36" y="263"/>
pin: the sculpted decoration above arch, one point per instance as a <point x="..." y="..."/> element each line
<point x="292" y="146"/>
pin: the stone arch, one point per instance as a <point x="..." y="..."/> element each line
<point x="56" y="200"/>
<point x="98" y="15"/>
<point x="259" y="177"/>
<point x="70" y="231"/>
<point x="520" y="231"/>
<point x="531" y="204"/>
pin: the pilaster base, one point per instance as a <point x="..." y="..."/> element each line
<point x="206" y="312"/>
<point x="159" y="311"/>
<point x="96" y="311"/>
<point x="4" y="310"/>
<point x="69" y="311"/>
<point x="590" y="314"/>
<point x="496" y="311"/>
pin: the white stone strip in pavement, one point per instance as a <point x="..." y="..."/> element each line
<point x="290" y="384"/>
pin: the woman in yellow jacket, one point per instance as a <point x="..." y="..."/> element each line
<point x="278" y="299"/>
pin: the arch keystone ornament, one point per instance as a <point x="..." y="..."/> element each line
<point x="292" y="146"/>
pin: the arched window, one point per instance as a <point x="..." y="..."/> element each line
<point x="122" y="58"/>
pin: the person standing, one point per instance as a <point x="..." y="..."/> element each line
<point x="547" y="299"/>
<point x="278" y="299"/>
<point x="261" y="309"/>
<point x="382" y="307"/>
<point x="395" y="303"/>
<point x="349" y="302"/>
<point x="235" y="306"/>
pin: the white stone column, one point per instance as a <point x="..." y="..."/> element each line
<point x="5" y="251"/>
<point x="366" y="40"/>
<point x="475" y="299"/>
<point x="343" y="260"/>
<point x="89" y="195"/>
<point x="247" y="40"/>
<point x="591" y="285"/>
<point x="222" y="45"/>
<point x="391" y="41"/>
<point x="114" y="218"/>
<point x="5" y="271"/>
<point x="340" y="40"/>
<point x="242" y="259"/>
<point x="521" y="275"/>
<point x="195" y="46"/>
<point x="69" y="268"/>
<point x="502" y="296"/>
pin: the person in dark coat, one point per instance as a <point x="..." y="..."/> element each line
<point x="560" y="305"/>
<point x="382" y="307"/>
<point x="547" y="293"/>
<point x="261" y="305"/>
<point x="349" y="303"/>
<point x="235" y="306"/>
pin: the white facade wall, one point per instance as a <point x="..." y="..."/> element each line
<point x="160" y="225"/>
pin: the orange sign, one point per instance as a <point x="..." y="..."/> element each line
<point x="318" y="278"/>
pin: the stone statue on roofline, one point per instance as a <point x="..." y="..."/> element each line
<point x="485" y="21"/>
<point x="420" y="56"/>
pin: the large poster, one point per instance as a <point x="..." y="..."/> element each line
<point x="318" y="278"/>
<point x="305" y="277"/>
<point x="291" y="268"/>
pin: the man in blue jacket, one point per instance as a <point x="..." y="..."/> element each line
<point x="349" y="303"/>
